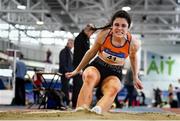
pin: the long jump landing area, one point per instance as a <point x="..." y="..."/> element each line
<point x="134" y="113"/>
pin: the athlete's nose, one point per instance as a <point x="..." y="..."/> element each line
<point x="119" y="27"/>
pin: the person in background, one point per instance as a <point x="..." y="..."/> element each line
<point x="113" y="45"/>
<point x="66" y="65"/>
<point x="172" y="102"/>
<point x="48" y="56"/>
<point x="81" y="45"/>
<point x="37" y="81"/>
<point x="131" y="90"/>
<point x="170" y="89"/>
<point x="177" y="90"/>
<point x="48" y="66"/>
<point x="142" y="99"/>
<point x="157" y="97"/>
<point x="20" y="82"/>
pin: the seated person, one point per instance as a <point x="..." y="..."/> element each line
<point x="172" y="102"/>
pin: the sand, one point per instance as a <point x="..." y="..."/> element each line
<point x="83" y="115"/>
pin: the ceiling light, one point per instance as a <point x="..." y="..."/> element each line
<point x="126" y="8"/>
<point x="39" y="22"/>
<point x="22" y="7"/>
<point x="72" y="25"/>
<point x="62" y="12"/>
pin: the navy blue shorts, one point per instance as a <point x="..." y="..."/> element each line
<point x="106" y="69"/>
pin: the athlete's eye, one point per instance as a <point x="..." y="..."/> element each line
<point x="124" y="25"/>
<point x="120" y="25"/>
<point x="116" y="24"/>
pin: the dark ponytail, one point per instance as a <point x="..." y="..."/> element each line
<point x="104" y="27"/>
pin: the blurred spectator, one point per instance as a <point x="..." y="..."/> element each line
<point x="20" y="82"/>
<point x="170" y="89"/>
<point x="131" y="91"/>
<point x="172" y="102"/>
<point x="48" y="56"/>
<point x="142" y="98"/>
<point x="178" y="93"/>
<point x="66" y="65"/>
<point x="48" y="66"/>
<point x="37" y="80"/>
<point x="81" y="45"/>
<point x="2" y="86"/>
<point x="157" y="96"/>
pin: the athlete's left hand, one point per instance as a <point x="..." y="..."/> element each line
<point x="138" y="84"/>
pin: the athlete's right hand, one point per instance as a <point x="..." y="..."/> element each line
<point x="70" y="74"/>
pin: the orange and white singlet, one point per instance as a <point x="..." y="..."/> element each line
<point x="114" y="55"/>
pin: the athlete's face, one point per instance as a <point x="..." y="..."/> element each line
<point x="120" y="27"/>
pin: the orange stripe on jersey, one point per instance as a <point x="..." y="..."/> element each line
<point x="114" y="55"/>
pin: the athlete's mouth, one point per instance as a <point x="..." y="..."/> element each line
<point x="120" y="33"/>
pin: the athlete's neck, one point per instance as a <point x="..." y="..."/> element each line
<point x="118" y="41"/>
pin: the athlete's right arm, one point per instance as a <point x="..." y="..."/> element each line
<point x="89" y="55"/>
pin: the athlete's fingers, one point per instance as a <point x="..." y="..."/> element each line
<point x="138" y="85"/>
<point x="68" y="74"/>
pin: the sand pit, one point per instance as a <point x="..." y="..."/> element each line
<point x="45" y="114"/>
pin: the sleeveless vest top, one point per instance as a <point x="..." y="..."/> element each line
<point x="114" y="55"/>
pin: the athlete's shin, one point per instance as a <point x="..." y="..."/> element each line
<point x="85" y="96"/>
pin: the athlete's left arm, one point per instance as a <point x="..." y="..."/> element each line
<point x="134" y="46"/>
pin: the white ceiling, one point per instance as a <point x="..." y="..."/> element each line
<point x="158" y="21"/>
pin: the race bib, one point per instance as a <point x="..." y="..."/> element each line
<point x="113" y="57"/>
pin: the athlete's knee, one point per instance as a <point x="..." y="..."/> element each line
<point x="112" y="88"/>
<point x="90" y="76"/>
<point x="117" y="88"/>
